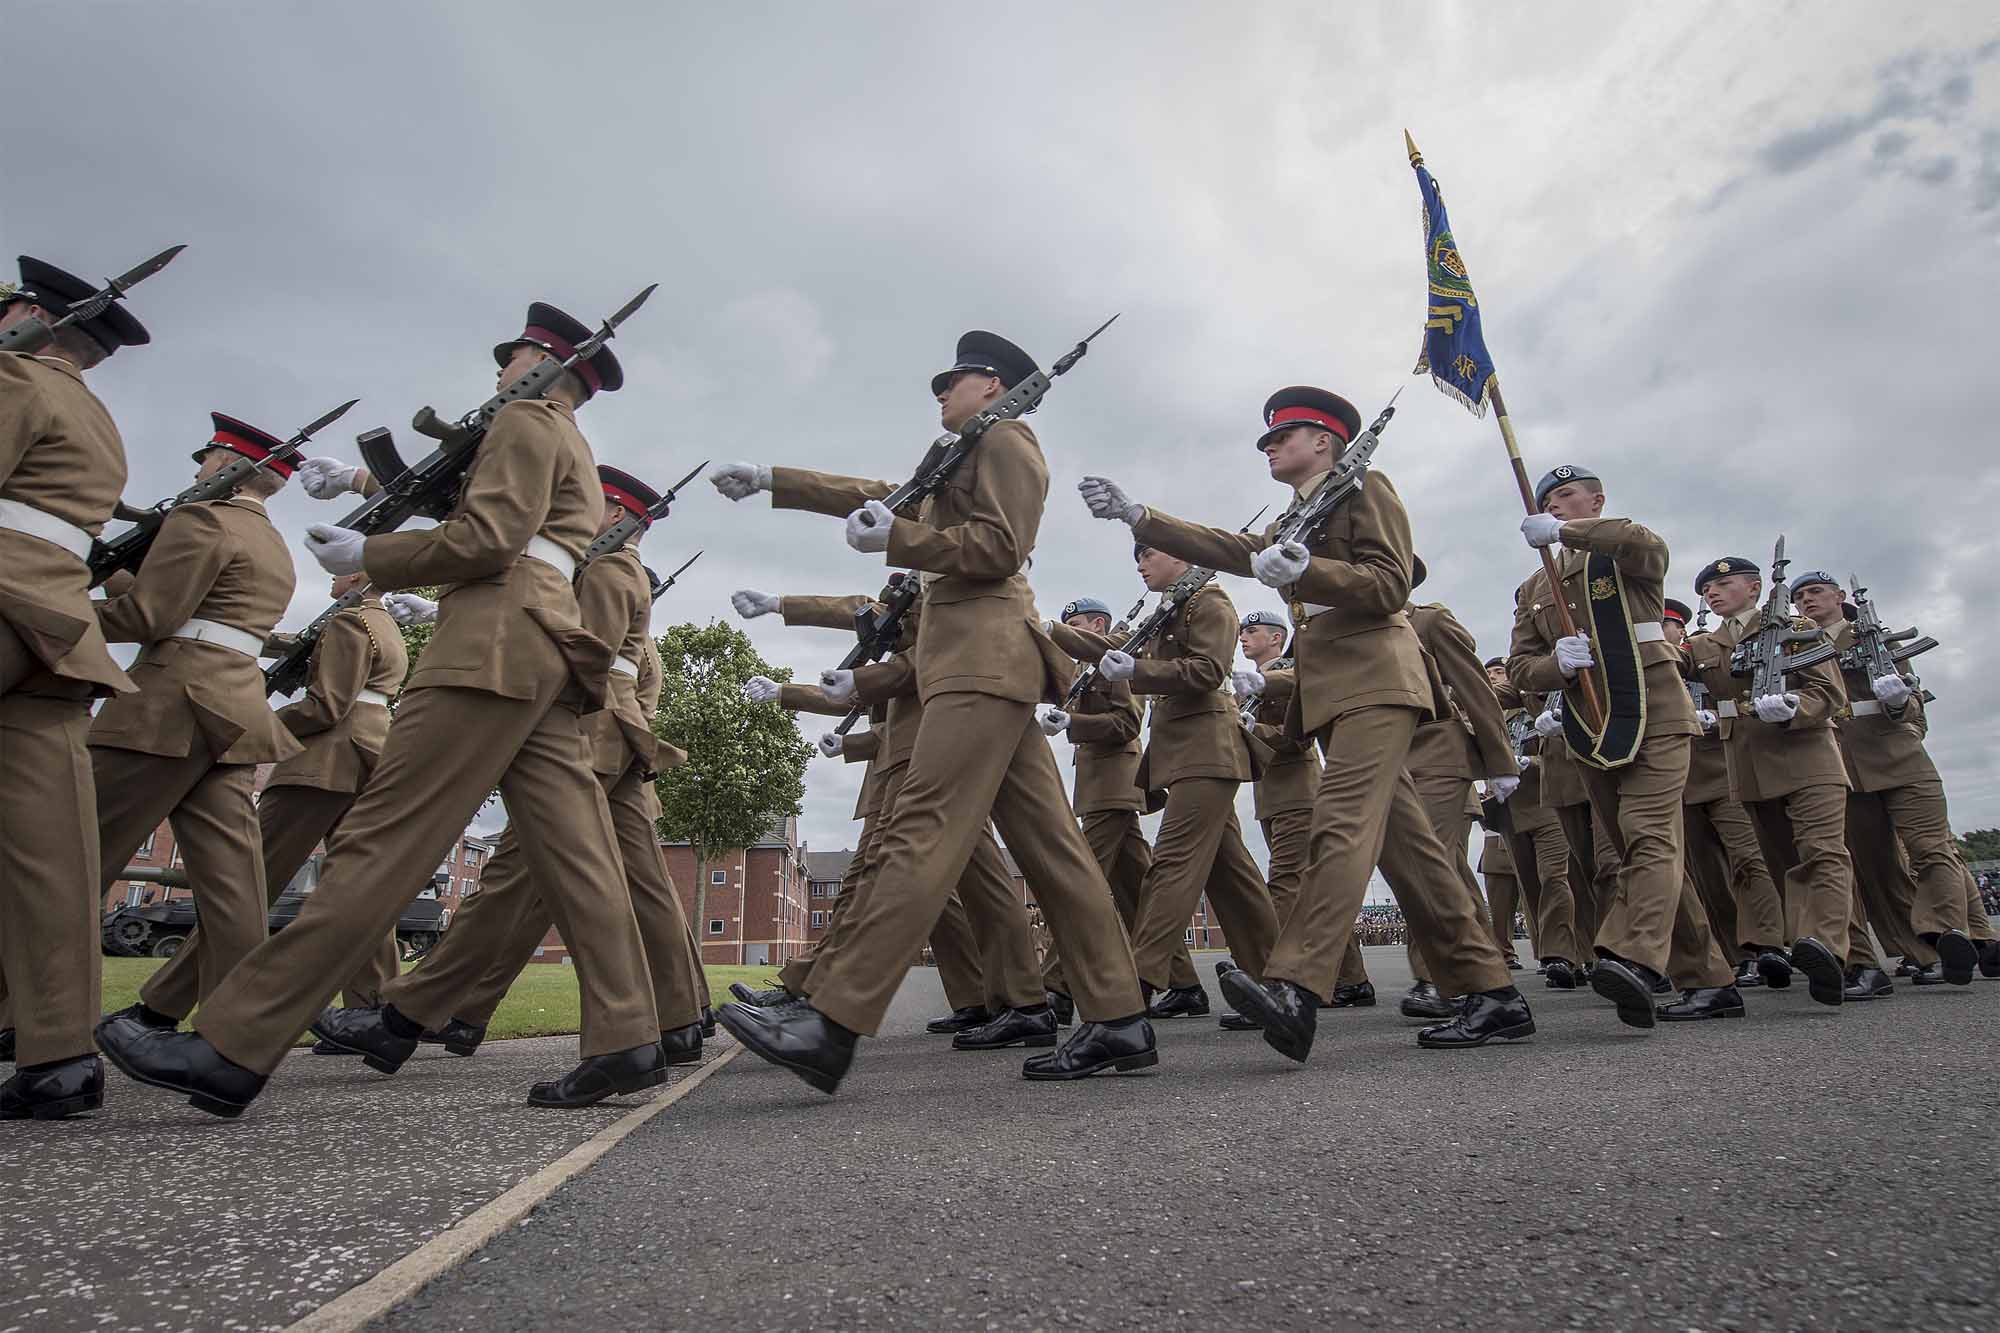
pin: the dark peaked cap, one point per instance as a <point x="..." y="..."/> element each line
<point x="558" y="334"/>
<point x="989" y="354"/>
<point x="55" y="291"/>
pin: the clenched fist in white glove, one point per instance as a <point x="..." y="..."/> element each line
<point x="830" y="743"/>
<point x="1548" y="724"/>
<point x="1106" y="500"/>
<point x="1893" y="691"/>
<point x="1542" y="529"/>
<point x="750" y="603"/>
<point x="740" y="481"/>
<point x="329" y="478"/>
<point x="761" y="690"/>
<point x="1501" y="788"/>
<point x="1052" y="720"/>
<point x="1115" y="665"/>
<point x="406" y="608"/>
<point x="338" y="550"/>
<point x="837" y="685"/>
<point x="1573" y="654"/>
<point x="1776" y="707"/>
<point x="1247" y="683"/>
<point x="868" y="527"/>
<point x="1278" y="565"/>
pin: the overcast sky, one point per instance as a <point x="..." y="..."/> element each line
<point x="1737" y="259"/>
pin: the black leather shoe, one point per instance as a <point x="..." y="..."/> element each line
<point x="1359" y="996"/>
<point x="958" y="1020"/>
<point x="1013" y="1027"/>
<point x="1123" y="1045"/>
<point x="1628" y="985"/>
<point x="761" y="999"/>
<point x="1698" y="1002"/>
<point x="1063" y="1007"/>
<point x="1824" y="977"/>
<point x="1483" y="1016"/>
<point x="1559" y="975"/>
<point x="6" y="1046"/>
<point x="603" y="1076"/>
<point x="682" y="1045"/>
<point x="328" y="1048"/>
<point x="53" y="1091"/>
<point x="140" y="1014"/>
<point x="1989" y="958"/>
<point x="1958" y="956"/>
<point x="1423" y="1001"/>
<point x="458" y="1037"/>
<point x="707" y="1022"/>
<point x="1775" y="968"/>
<point x="364" y="1033"/>
<point x="1747" y="974"/>
<point x="1287" y="1012"/>
<point x="1180" y="1002"/>
<point x="797" y="1037"/>
<point x="1867" y="983"/>
<point x="181" y="1062"/>
<point x="1926" y="974"/>
<point x="1662" y="986"/>
<point x="1231" y="1021"/>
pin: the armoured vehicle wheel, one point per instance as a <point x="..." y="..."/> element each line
<point x="168" y="945"/>
<point x="131" y="935"/>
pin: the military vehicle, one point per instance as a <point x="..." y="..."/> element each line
<point x="158" y="929"/>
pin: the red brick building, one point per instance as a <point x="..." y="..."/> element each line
<point x="757" y="903"/>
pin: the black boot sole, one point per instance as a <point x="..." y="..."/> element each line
<point x="1625" y="989"/>
<point x="58" y="1110"/>
<point x="200" y="1101"/>
<point x="1776" y="975"/>
<point x="1442" y="1014"/>
<point x="1253" y="1004"/>
<point x="1825" y="981"/>
<point x="381" y="1064"/>
<point x="815" y="1079"/>
<point x="459" y="1048"/>
<point x="1515" y="1033"/>
<point x="1735" y="1011"/>
<point x="652" y="1078"/>
<point x="684" y="1058"/>
<point x="1122" y="1064"/>
<point x="1958" y="956"/>
<point x="1047" y="1039"/>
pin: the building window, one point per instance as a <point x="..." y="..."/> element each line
<point x="819" y="919"/>
<point x="715" y="925"/>
<point x="146" y="847"/>
<point x="133" y="891"/>
<point x="718" y="877"/>
<point x="1190" y="935"/>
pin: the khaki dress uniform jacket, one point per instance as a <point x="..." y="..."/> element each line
<point x="1719" y="844"/>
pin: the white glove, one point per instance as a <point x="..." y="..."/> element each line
<point x="761" y="690"/>
<point x="1893" y="691"/>
<point x="1524" y="762"/>
<point x="406" y="608"/>
<point x="838" y="686"/>
<point x="750" y="603"/>
<point x="1246" y="683"/>
<point x="1706" y="718"/>
<point x="1776" y="707"/>
<point x="1106" y="500"/>
<point x="1548" y="724"/>
<point x="1115" y="665"/>
<point x="1573" y="654"/>
<point x="1501" y="788"/>
<point x="329" y="478"/>
<point x="740" y="481"/>
<point x="1278" y="565"/>
<point x="830" y="743"/>
<point x="1542" y="529"/>
<point x="1052" y="720"/>
<point x="338" y="550"/>
<point x="868" y="527"/>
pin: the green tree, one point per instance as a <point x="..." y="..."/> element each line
<point x="1981" y="844"/>
<point x="746" y="762"/>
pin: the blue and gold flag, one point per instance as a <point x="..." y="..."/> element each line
<point x="1454" y="351"/>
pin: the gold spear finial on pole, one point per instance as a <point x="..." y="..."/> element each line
<point x="1416" y="158"/>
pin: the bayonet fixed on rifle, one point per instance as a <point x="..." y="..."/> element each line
<point x="32" y="335"/>
<point x="1304" y="523"/>
<point x="1876" y="652"/>
<point x="128" y="549"/>
<point x="1767" y="657"/>
<point x="660" y="586"/>
<point x="628" y="522"/>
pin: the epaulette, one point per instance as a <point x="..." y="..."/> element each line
<point x="1804" y="622"/>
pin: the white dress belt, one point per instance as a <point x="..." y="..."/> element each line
<point x="546" y="551"/>
<point x="1725" y="708"/>
<point x="372" y="697"/>
<point x="224" y="636"/>
<point x="625" y="666"/>
<point x="25" y="518"/>
<point x="1865" y="707"/>
<point x="1649" y="631"/>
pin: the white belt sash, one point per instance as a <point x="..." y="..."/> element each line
<point x="33" y="522"/>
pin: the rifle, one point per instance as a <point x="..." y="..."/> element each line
<point x="128" y="549"/>
<point x="290" y="672"/>
<point x="876" y="632"/>
<point x="1246" y="707"/>
<point x="430" y="488"/>
<point x="1766" y="659"/>
<point x="1303" y="524"/>
<point x="628" y="522"/>
<point x="31" y="335"/>
<point x="660" y="585"/>
<point x="1876" y="651"/>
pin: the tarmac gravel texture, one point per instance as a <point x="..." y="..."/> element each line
<point x="1805" y="1168"/>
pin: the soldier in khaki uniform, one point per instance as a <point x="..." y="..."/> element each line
<point x="1537" y="851"/>
<point x="1362" y="691"/>
<point x="496" y="701"/>
<point x="1503" y="892"/>
<point x="982" y="663"/>
<point x="1613" y="573"/>
<point x="1785" y="769"/>
<point x="62" y="467"/>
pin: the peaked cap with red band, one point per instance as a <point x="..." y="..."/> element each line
<point x="557" y="334"/>
<point x="1302" y="405"/>
<point x="1676" y="611"/>
<point x="240" y="437"/>
<point x="628" y="490"/>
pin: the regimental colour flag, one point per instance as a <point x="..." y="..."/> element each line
<point x="1454" y="351"/>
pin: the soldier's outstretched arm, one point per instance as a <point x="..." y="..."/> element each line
<point x="1082" y="644"/>
<point x="879" y="682"/>
<point x="822" y="612"/>
<point x="823" y="492"/>
<point x="861" y="746"/>
<point x="1212" y="548"/>
<point x="810" y="699"/>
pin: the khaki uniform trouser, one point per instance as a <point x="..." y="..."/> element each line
<point x="792" y="976"/>
<point x="1125" y="857"/>
<point x="1542" y="868"/>
<point x="1885" y="827"/>
<point x="448" y="749"/>
<point x="1200" y="849"/>
<point x="1727" y="867"/>
<point x="51" y="946"/>
<point x="1367" y="813"/>
<point x="977" y="754"/>
<point x="1289" y="835"/>
<point x="1443" y="795"/>
<point x="1503" y="892"/>
<point x="1593" y="870"/>
<point x="1804" y="837"/>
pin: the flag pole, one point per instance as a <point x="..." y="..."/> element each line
<point x="1593" y="710"/>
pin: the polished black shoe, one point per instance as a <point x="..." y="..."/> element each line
<point x="365" y="1032"/>
<point x="1483" y="1016"/>
<point x="1287" y="1012"/>
<point x="1012" y="1027"/>
<point x="707" y="1022"/>
<point x="1423" y="1001"/>
<point x="328" y="1048"/>
<point x="1662" y="986"/>
<point x="1628" y="985"/>
<point x="1747" y="974"/>
<point x="140" y="1014"/>
<point x="1123" y="1045"/>
<point x="1513" y="963"/>
<point x="1699" y="1002"/>
<point x="1063" y="1007"/>
<point x="458" y="1037"/>
<point x="1231" y="1021"/>
<point x="54" y="1090"/>
<point x="1825" y="978"/>
<point x="602" y="1076"/>
<point x="181" y="1062"/>
<point x="958" y="1020"/>
<point x="1905" y="968"/>
<point x="1559" y="975"/>
<point x="1775" y="967"/>
<point x="682" y="1045"/>
<point x="1180" y="1002"/>
<point x="1867" y="983"/>
<point x="1926" y="974"/>
<point x="1958" y="956"/>
<point x="6" y="1046"/>
<point x="1358" y="996"/>
<point x="761" y="999"/>
<point x="1989" y="958"/>
<point x="797" y="1037"/>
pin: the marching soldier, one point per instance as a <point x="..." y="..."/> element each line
<point x="495" y="701"/>
<point x="1362" y="690"/>
<point x="62" y="467"/>
<point x="1536" y="850"/>
<point x="982" y="665"/>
